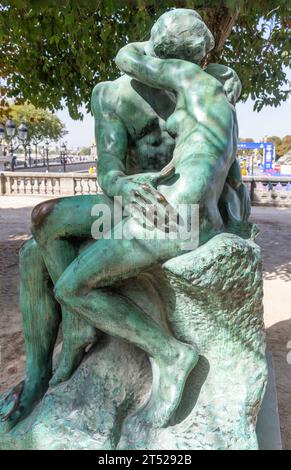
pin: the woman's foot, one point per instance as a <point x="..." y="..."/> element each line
<point x="69" y="361"/>
<point x="73" y="350"/>
<point x="169" y="378"/>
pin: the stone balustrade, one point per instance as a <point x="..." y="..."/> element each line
<point x="52" y="184"/>
<point x="265" y="190"/>
<point x="272" y="191"/>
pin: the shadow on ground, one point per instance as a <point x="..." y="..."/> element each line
<point x="279" y="343"/>
<point x="15" y="223"/>
<point x="275" y="242"/>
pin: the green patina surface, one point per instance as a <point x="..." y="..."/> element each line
<point x="166" y="133"/>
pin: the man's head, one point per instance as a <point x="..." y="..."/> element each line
<point x="180" y="34"/>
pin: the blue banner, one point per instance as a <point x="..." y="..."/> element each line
<point x="268" y="151"/>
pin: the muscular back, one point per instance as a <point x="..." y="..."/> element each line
<point x="142" y="111"/>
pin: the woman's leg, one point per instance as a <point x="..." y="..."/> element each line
<point x="58" y="226"/>
<point x="41" y="318"/>
<point x="83" y="290"/>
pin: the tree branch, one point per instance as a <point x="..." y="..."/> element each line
<point x="220" y="21"/>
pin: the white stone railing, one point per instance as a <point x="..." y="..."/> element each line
<point x="51" y="184"/>
<point x="273" y="191"/>
<point x="265" y="190"/>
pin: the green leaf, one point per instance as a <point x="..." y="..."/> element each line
<point x="51" y="53"/>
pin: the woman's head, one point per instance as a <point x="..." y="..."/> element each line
<point x="180" y="34"/>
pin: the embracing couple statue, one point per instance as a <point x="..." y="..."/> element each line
<point x="166" y="133"/>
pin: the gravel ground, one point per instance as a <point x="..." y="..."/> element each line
<point x="274" y="238"/>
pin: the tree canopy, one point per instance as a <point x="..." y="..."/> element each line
<point x="53" y="53"/>
<point x="85" y="151"/>
<point x="41" y="123"/>
<point x="282" y="146"/>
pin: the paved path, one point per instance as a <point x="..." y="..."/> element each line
<point x="275" y="240"/>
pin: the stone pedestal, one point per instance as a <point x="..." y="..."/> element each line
<point x="211" y="297"/>
<point x="268" y="425"/>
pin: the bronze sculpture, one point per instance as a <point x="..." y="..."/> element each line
<point x="174" y="124"/>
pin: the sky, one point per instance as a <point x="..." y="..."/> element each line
<point x="268" y="122"/>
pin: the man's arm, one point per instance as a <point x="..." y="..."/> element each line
<point x="111" y="139"/>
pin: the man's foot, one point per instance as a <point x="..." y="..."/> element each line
<point x="18" y="402"/>
<point x="169" y="380"/>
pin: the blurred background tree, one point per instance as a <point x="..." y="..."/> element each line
<point x="282" y="146"/>
<point x="42" y="124"/>
<point x="53" y="53"/>
<point x="85" y="151"/>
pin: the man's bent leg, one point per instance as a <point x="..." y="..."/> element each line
<point x="41" y="317"/>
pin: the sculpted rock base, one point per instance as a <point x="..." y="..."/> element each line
<point x="212" y="298"/>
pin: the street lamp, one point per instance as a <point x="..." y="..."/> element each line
<point x="42" y="153"/>
<point x="63" y="155"/>
<point x="22" y="132"/>
<point x="2" y="132"/>
<point x="47" y="153"/>
<point x="2" y="135"/>
<point x="22" y="136"/>
<point x="29" y="154"/>
<point x="10" y="129"/>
